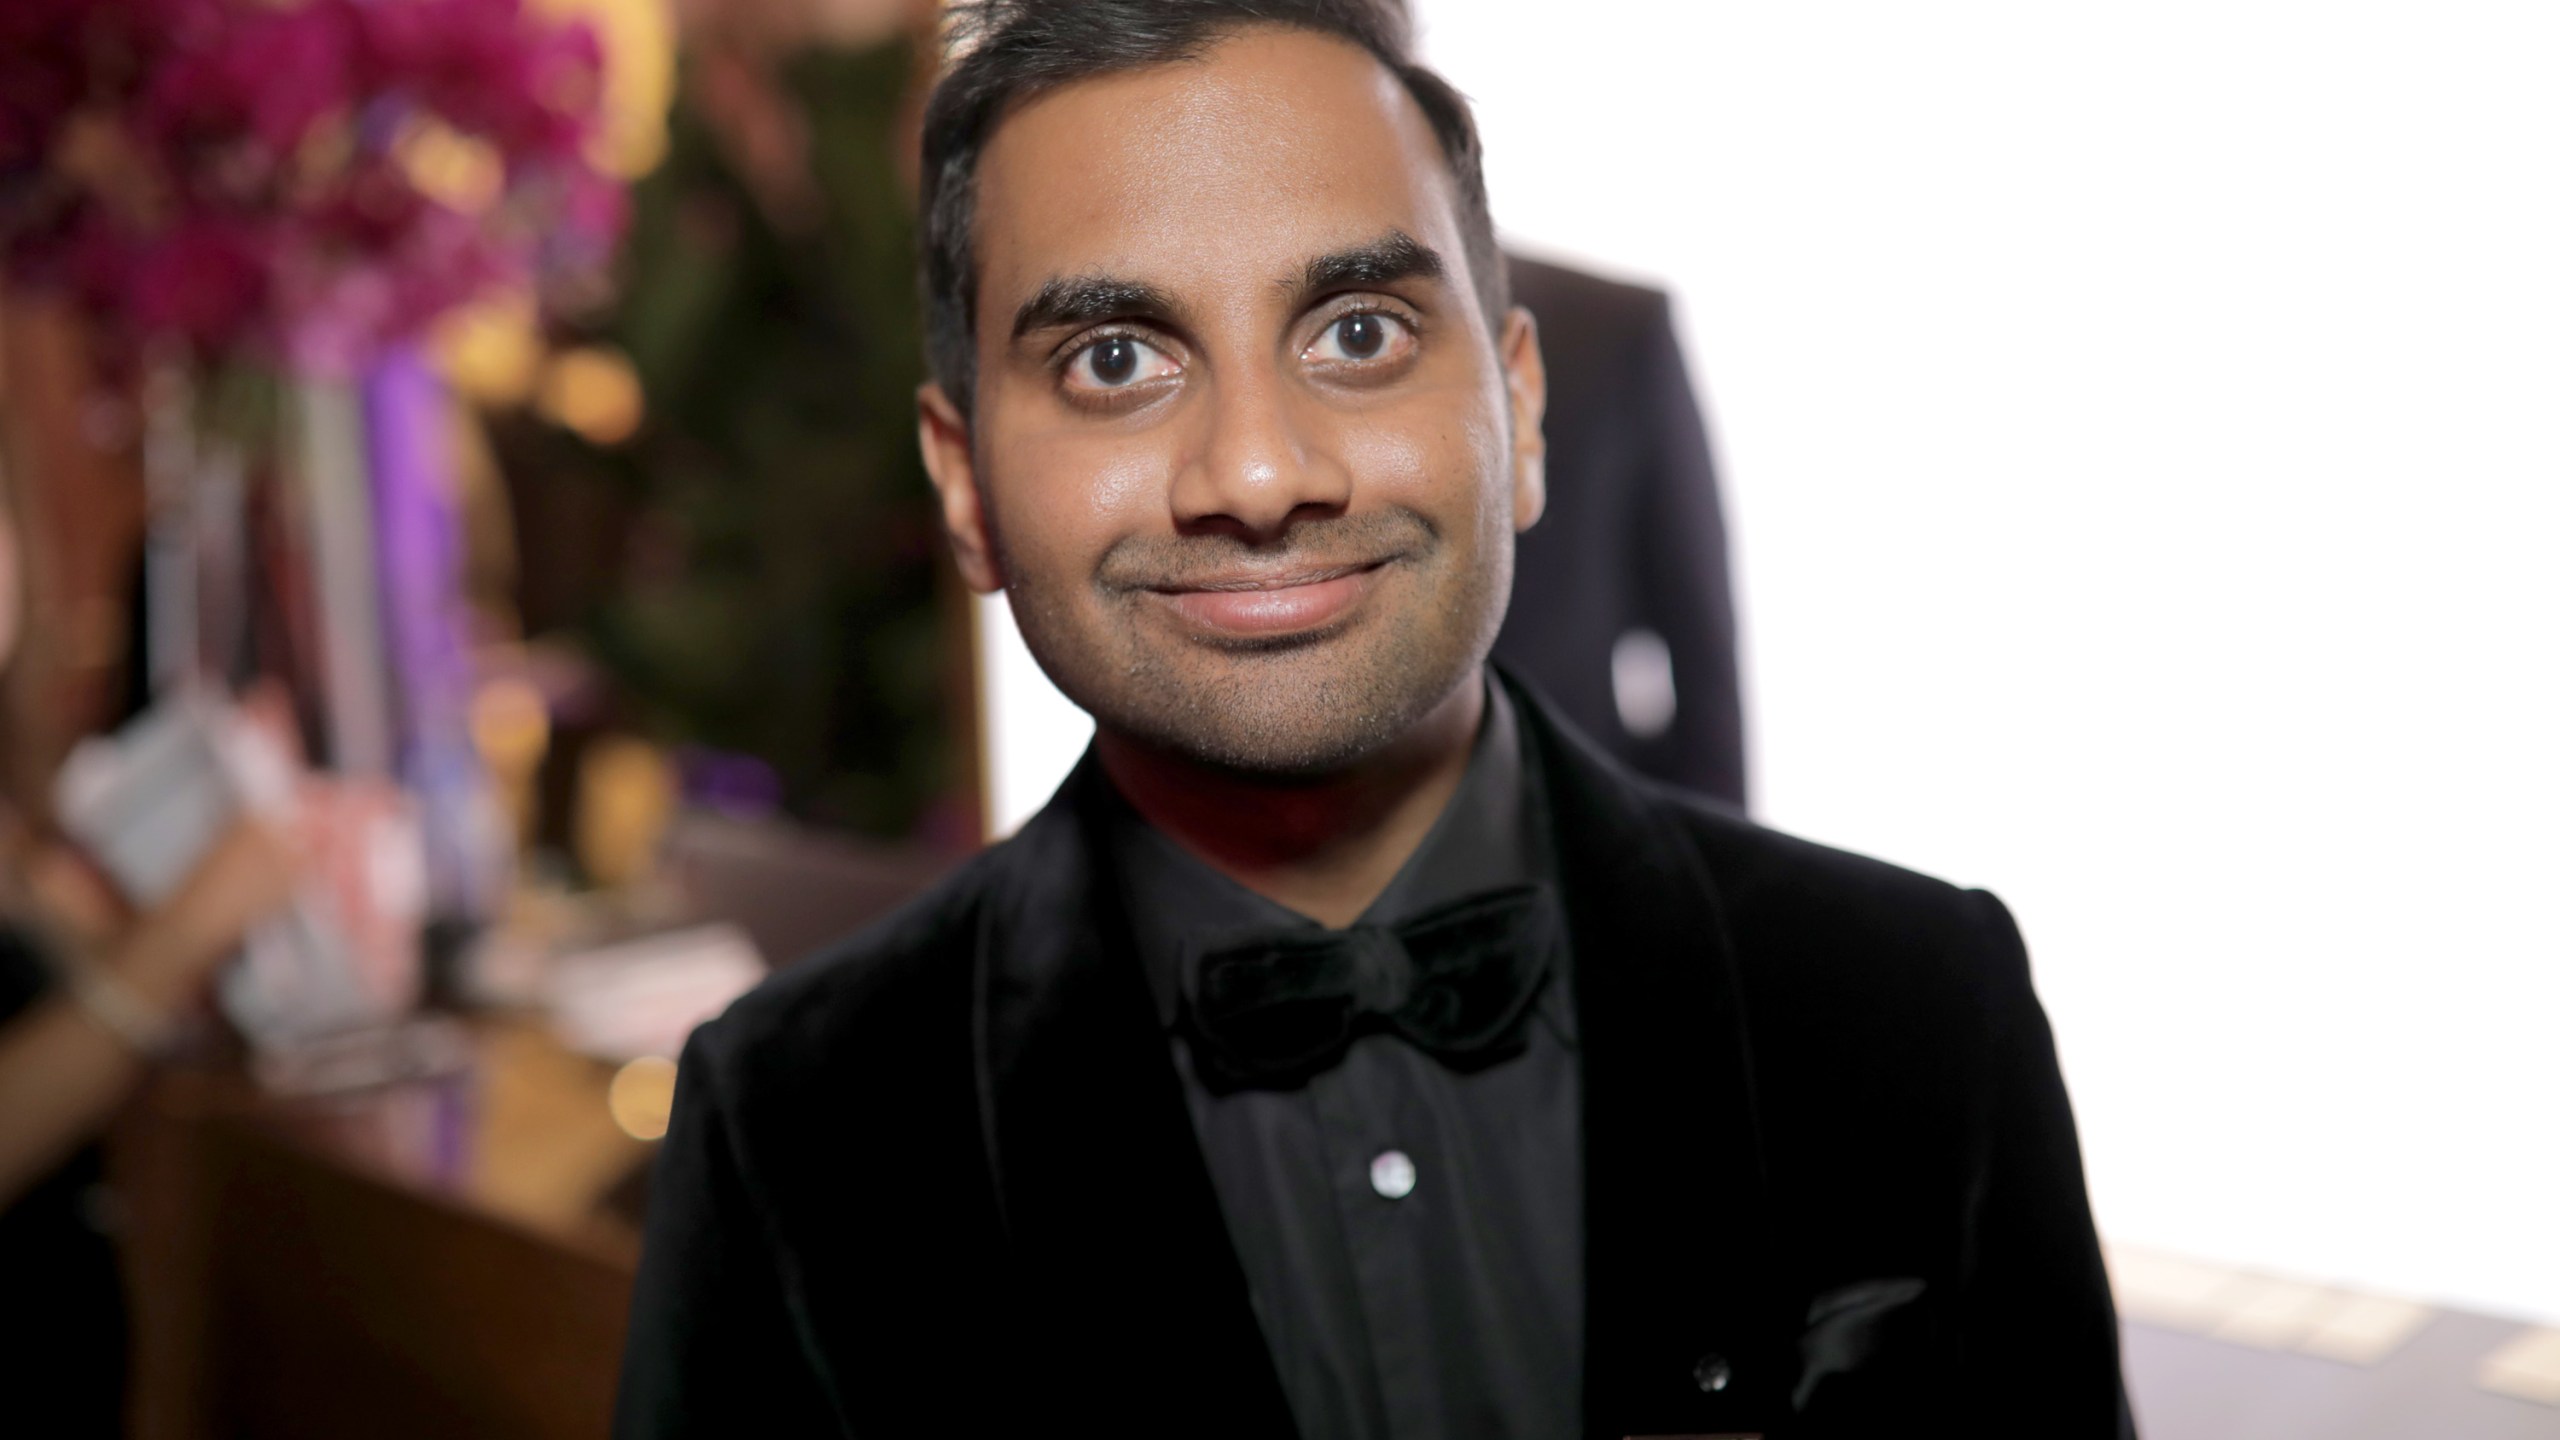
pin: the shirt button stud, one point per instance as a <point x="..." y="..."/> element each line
<point x="1712" y="1372"/>
<point x="1391" y="1174"/>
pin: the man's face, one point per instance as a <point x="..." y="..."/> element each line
<point x="1245" y="455"/>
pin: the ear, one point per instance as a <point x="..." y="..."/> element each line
<point x="1524" y="374"/>
<point x="942" y="433"/>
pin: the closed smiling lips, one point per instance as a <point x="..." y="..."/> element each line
<point x="1263" y="604"/>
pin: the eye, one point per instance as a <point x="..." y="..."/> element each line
<point x="1362" y="337"/>
<point x="1116" y="362"/>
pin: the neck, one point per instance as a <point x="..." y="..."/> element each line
<point x="1326" y="845"/>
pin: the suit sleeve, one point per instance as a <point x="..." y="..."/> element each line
<point x="2037" y="1319"/>
<point x="1684" y="589"/>
<point x="712" y="1348"/>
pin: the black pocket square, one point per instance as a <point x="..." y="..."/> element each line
<point x="1845" y="1327"/>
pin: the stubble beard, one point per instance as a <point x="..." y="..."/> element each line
<point x="1301" y="708"/>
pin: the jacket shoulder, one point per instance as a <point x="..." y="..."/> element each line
<point x="1848" y="931"/>
<point x="871" y="996"/>
<point x="1786" y="904"/>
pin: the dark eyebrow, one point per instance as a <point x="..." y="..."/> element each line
<point x="1076" y="300"/>
<point x="1071" y="301"/>
<point x="1391" y="257"/>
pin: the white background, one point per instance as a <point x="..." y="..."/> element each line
<point x="2141" y="428"/>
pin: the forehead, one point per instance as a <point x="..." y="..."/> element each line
<point x="1226" y="170"/>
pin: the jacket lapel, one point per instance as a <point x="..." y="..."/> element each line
<point x="1685" y="1329"/>
<point x="1137" y="1304"/>
<point x="1139" y="1307"/>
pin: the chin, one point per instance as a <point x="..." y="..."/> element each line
<point x="1303" y="711"/>
<point x="1280" y="746"/>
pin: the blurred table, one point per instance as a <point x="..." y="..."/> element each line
<point x="436" y="1258"/>
<point x="440" y="1258"/>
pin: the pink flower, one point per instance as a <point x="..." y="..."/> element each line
<point x="41" y="78"/>
<point x="352" y="279"/>
<point x="487" y="68"/>
<point x="267" y="77"/>
<point x="588" y="211"/>
<point x="231" y="184"/>
<point x="204" y="279"/>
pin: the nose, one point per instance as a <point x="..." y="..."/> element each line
<point x="1259" y="463"/>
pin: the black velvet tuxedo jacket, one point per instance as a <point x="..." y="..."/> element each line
<point x="941" y="1181"/>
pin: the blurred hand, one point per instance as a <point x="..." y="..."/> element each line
<point x="74" y="898"/>
<point x="269" y="711"/>
<point x="248" y="875"/>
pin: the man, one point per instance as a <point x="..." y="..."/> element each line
<point x="1621" y="610"/>
<point x="1348" y="1050"/>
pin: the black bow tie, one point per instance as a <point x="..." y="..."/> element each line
<point x="1273" y="1008"/>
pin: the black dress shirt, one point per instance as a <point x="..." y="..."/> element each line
<point x="1411" y="1236"/>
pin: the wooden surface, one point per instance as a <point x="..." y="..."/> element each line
<point x="445" y="1258"/>
<point x="438" y="1258"/>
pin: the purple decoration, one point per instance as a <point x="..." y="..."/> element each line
<point x="741" y="786"/>
<point x="418" y="548"/>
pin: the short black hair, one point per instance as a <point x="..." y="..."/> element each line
<point x="1011" y="50"/>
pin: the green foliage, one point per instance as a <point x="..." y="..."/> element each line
<point x="776" y="593"/>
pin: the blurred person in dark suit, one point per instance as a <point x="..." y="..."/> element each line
<point x="91" y="991"/>
<point x="1622" y="606"/>
<point x="1350" y="1048"/>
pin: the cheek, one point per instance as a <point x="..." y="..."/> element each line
<point x="1449" y="461"/>
<point x="1489" y="450"/>
<point x="1107" y="484"/>
<point x="1391" y="461"/>
<point x="1058" y="501"/>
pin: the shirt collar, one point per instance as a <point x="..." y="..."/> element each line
<point x="1485" y="838"/>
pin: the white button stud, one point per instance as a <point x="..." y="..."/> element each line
<point x="1391" y="1174"/>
